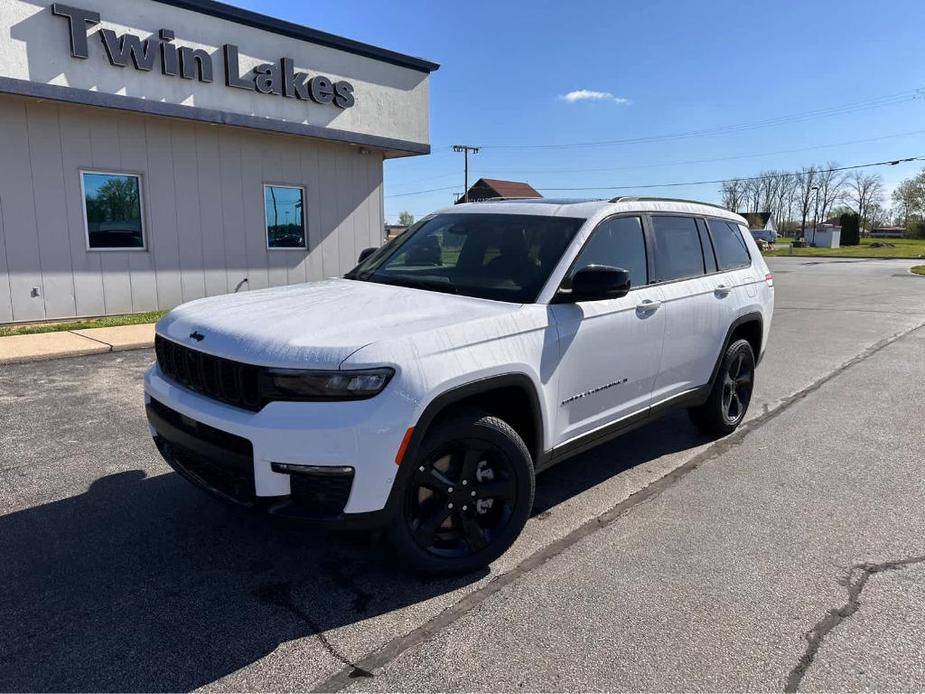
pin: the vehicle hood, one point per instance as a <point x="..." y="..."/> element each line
<point x="316" y="325"/>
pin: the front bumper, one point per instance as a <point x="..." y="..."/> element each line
<point x="326" y="461"/>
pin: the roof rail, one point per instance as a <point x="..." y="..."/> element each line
<point x="636" y="198"/>
<point x="502" y="199"/>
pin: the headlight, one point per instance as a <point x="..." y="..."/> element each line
<point x="289" y="384"/>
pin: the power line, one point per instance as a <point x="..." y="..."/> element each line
<point x="465" y="149"/>
<point x="889" y="162"/>
<point x="876" y="102"/>
<point x="705" y="161"/>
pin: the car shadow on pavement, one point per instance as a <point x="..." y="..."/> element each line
<point x="146" y="584"/>
<point x="671" y="434"/>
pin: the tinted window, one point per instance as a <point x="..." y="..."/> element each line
<point x="730" y="246"/>
<point x="504" y="257"/>
<point x="677" y="248"/>
<point x="285" y="215"/>
<point x="619" y="243"/>
<point x="113" y="207"/>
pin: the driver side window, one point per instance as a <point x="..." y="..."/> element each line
<point x="617" y="242"/>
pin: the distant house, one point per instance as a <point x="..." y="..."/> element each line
<point x="488" y="188"/>
<point x="888" y="232"/>
<point x="760" y="221"/>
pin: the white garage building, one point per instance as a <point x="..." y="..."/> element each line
<point x="157" y="151"/>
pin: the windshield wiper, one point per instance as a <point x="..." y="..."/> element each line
<point x="413" y="283"/>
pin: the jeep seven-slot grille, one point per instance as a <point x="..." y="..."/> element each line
<point x="229" y="381"/>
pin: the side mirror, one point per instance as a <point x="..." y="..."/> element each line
<point x="365" y="253"/>
<point x="597" y="282"/>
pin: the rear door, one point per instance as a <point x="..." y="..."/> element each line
<point x="697" y="300"/>
<point x="609" y="350"/>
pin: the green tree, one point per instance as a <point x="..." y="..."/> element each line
<point x="405" y="218"/>
<point x="850" y="229"/>
<point x="909" y="198"/>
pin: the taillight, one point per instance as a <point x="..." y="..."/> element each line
<point x="769" y="280"/>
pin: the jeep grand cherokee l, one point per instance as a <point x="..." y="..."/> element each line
<point x="424" y="390"/>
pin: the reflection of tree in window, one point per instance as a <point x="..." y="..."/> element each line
<point x="284" y="212"/>
<point x="113" y="211"/>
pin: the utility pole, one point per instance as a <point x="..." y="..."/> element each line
<point x="465" y="149"/>
<point x="815" y="215"/>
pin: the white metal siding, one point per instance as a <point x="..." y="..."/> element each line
<point x="202" y="190"/>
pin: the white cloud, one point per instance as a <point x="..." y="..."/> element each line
<point x="589" y="95"/>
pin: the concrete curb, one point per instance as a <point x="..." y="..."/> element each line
<point x="20" y="349"/>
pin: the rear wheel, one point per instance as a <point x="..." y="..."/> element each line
<point x="469" y="496"/>
<point x="725" y="409"/>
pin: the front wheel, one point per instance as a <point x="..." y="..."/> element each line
<point x="469" y="496"/>
<point x="725" y="409"/>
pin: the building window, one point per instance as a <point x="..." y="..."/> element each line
<point x="285" y="216"/>
<point x="112" y="211"/>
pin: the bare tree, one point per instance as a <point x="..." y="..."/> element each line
<point x="733" y="192"/>
<point x="864" y="191"/>
<point x="752" y="194"/>
<point x="806" y="192"/>
<point x="831" y="187"/>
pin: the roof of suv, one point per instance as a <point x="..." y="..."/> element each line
<point x="585" y="208"/>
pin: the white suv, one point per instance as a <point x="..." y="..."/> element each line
<point x="424" y="390"/>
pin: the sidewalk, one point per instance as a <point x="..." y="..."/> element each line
<point x="74" y="343"/>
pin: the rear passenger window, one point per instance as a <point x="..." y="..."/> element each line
<point x="618" y="242"/>
<point x="677" y="248"/>
<point x="731" y="251"/>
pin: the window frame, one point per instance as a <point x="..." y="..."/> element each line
<point x="137" y="175"/>
<point x="565" y="282"/>
<point x="303" y="191"/>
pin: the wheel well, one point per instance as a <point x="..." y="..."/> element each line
<point x="513" y="404"/>
<point x="751" y="331"/>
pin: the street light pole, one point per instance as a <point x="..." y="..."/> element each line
<point x="465" y="149"/>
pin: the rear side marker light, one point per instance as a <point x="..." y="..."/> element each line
<point x="769" y="280"/>
<point x="404" y="446"/>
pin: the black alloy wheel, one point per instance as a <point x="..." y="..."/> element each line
<point x="467" y="498"/>
<point x="728" y="402"/>
<point x="737" y="387"/>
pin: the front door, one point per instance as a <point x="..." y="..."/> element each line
<point x="609" y="350"/>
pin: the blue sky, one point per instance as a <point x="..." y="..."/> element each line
<point x="679" y="66"/>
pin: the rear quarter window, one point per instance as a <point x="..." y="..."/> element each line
<point x="731" y="251"/>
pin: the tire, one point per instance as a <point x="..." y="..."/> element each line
<point x="727" y="404"/>
<point x="468" y="498"/>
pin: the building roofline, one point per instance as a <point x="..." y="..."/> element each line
<point x="255" y="20"/>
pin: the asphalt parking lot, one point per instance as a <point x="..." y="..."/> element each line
<point x="790" y="555"/>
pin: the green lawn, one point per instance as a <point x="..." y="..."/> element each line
<point x="918" y="269"/>
<point x="107" y="322"/>
<point x="904" y="248"/>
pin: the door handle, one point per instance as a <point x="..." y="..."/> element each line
<point x="647" y="305"/>
<point x="722" y="290"/>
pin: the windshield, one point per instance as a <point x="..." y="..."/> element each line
<point x="503" y="257"/>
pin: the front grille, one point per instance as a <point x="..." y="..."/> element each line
<point x="320" y="495"/>
<point x="228" y="381"/>
<point x="228" y="469"/>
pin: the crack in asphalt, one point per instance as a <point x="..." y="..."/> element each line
<point x="389" y="651"/>
<point x="280" y="595"/>
<point x="857" y="577"/>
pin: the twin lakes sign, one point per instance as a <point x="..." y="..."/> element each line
<point x="277" y="79"/>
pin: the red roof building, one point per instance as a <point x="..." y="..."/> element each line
<point x="488" y="188"/>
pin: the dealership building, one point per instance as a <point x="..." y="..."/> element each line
<point x="153" y="152"/>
